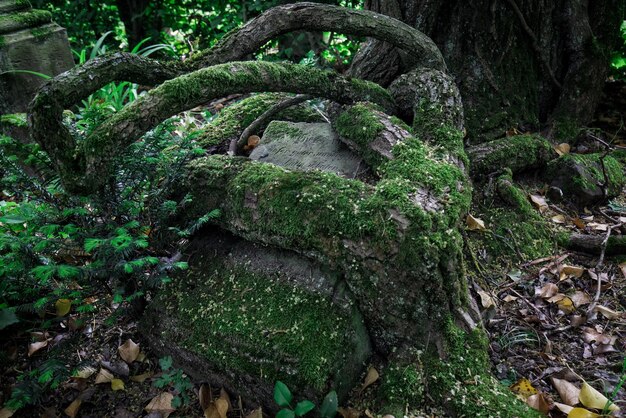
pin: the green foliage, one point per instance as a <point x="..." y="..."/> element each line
<point x="283" y="397"/>
<point x="176" y="379"/>
<point x="618" y="61"/>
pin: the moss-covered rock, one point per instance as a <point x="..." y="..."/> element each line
<point x="254" y="315"/>
<point x="582" y="179"/>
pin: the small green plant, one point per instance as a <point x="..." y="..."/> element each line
<point x="613" y="395"/>
<point x="283" y="397"/>
<point x="176" y="379"/>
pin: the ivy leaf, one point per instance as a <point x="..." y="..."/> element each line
<point x="282" y="395"/>
<point x="285" y="413"/>
<point x="304" y="407"/>
<point x="329" y="406"/>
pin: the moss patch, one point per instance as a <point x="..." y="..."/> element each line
<point x="259" y="325"/>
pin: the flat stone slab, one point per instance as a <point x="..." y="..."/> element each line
<point x="306" y="147"/>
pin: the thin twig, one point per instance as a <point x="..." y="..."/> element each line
<point x="254" y="126"/>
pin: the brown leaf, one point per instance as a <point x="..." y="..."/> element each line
<point x="253" y="141"/>
<point x="580" y="298"/>
<point x="562" y="148"/>
<point x="580" y="224"/>
<point x="539" y="202"/>
<point x="509" y="298"/>
<point x="474" y="224"/>
<point x="140" y="378"/>
<point x="570" y="271"/>
<point x="547" y="291"/>
<point x="204" y="396"/>
<point x="486" y="299"/>
<point x="217" y="409"/>
<point x="72" y="409"/>
<point x="539" y="403"/>
<point x="607" y="312"/>
<point x="85" y="373"/>
<point x="566" y="390"/>
<point x="577" y="320"/>
<point x="104" y="376"/>
<point x="590" y="335"/>
<point x="622" y="267"/>
<point x="6" y="413"/>
<point x="129" y="351"/>
<point x="371" y="377"/>
<point x="563" y="408"/>
<point x="36" y="346"/>
<point x="224" y="395"/>
<point x="162" y="404"/>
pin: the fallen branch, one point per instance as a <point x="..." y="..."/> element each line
<point x="235" y="143"/>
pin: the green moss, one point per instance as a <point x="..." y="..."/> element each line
<point x="587" y="174"/>
<point x="462" y="382"/>
<point x="403" y="384"/>
<point x="27" y="18"/>
<point x="360" y="125"/>
<point x="41" y="33"/>
<point x="2" y="41"/>
<point x="566" y="129"/>
<point x="238" y="116"/>
<point x="259" y="325"/>
<point x="516" y="153"/>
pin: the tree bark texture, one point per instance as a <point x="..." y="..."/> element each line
<point x="522" y="62"/>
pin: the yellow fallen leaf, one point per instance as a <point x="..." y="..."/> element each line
<point x="566" y="305"/>
<point x="591" y="398"/>
<point x="72" y="409"/>
<point x="129" y="351"/>
<point x="558" y="219"/>
<point x="63" y="306"/>
<point x="524" y="388"/>
<point x="371" y="377"/>
<point x="117" y="384"/>
<point x="474" y="224"/>
<point x="608" y="312"/>
<point x="567" y="391"/>
<point x="217" y="409"/>
<point x="581" y="413"/>
<point x="562" y="148"/>
<point x="104" y="376"/>
<point x="162" y="404"/>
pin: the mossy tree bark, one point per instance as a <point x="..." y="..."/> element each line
<point x="538" y="64"/>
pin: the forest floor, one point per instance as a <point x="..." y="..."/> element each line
<point x="552" y="320"/>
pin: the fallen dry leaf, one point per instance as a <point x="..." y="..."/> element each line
<point x="580" y="298"/>
<point x="577" y="320"/>
<point x="547" y="291"/>
<point x="562" y="149"/>
<point x="591" y="398"/>
<point x="581" y="413"/>
<point x="566" y="390"/>
<point x="36" y="346"/>
<point x="539" y="202"/>
<point x="590" y="335"/>
<point x="563" y="408"/>
<point x="539" y="403"/>
<point x="567" y="272"/>
<point x="204" y="396"/>
<point x="6" y="413"/>
<point x="371" y="377"/>
<point x="566" y="305"/>
<point x="486" y="299"/>
<point x="509" y="298"/>
<point x="129" y="351"/>
<point x="72" y="409"/>
<point x="217" y="409"/>
<point x="224" y="395"/>
<point x="349" y="412"/>
<point x="524" y="388"/>
<point x="580" y="224"/>
<point x="558" y="219"/>
<point x="257" y="413"/>
<point x="140" y="378"/>
<point x="161" y="404"/>
<point x="474" y="224"/>
<point x="104" y="376"/>
<point x="608" y="312"/>
<point x="85" y="373"/>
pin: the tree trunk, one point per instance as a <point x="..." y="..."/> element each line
<point x="517" y="62"/>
